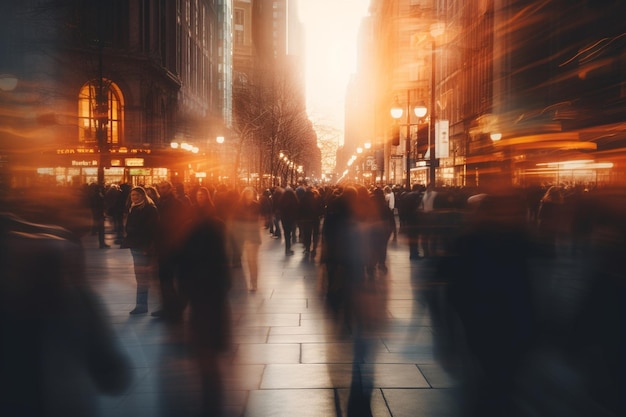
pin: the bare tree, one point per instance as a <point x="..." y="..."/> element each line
<point x="270" y="117"/>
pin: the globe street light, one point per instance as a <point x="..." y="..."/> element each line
<point x="397" y="111"/>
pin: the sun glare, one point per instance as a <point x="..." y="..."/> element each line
<point x="331" y="39"/>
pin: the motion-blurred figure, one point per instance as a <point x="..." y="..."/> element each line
<point x="248" y="232"/>
<point x="358" y="305"/>
<point x="205" y="278"/>
<point x="549" y="219"/>
<point x="58" y="352"/>
<point x="96" y="201"/>
<point x="489" y="296"/>
<point x="288" y="209"/>
<point x="141" y="227"/>
<point x="173" y="214"/>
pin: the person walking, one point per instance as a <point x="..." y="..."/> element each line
<point x="204" y="206"/>
<point x="173" y="213"/>
<point x="390" y="199"/>
<point x="141" y="226"/>
<point x="308" y="209"/>
<point x="248" y="232"/>
<point x="59" y="350"/>
<point x="205" y="278"/>
<point x="96" y="200"/>
<point x="288" y="208"/>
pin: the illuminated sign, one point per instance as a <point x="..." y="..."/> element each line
<point x="72" y="151"/>
<point x="133" y="162"/>
<point x="140" y="171"/>
<point x="91" y="163"/>
<point x="116" y="162"/>
<point x="200" y="174"/>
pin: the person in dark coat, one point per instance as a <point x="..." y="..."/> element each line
<point x="58" y="350"/>
<point x="288" y="208"/>
<point x="141" y="228"/>
<point x="203" y="205"/>
<point x="357" y="305"/>
<point x="173" y="213"/>
<point x="381" y="225"/>
<point x="309" y="218"/>
<point x="487" y="274"/>
<point x="248" y="232"/>
<point x="96" y="200"/>
<point x="411" y="202"/>
<point x="205" y="277"/>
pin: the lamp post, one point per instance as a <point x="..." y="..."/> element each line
<point x="397" y="112"/>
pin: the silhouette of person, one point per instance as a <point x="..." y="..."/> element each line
<point x="205" y="278"/>
<point x="247" y="215"/>
<point x="141" y="224"/>
<point x="58" y="352"/>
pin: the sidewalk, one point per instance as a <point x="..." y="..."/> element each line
<point x="289" y="358"/>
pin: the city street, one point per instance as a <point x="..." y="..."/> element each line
<point x="289" y="358"/>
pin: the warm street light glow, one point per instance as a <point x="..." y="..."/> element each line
<point x="174" y="145"/>
<point x="219" y="139"/>
<point x="420" y="110"/>
<point x="359" y="150"/>
<point x="396" y="112"/>
<point x="496" y="136"/>
<point x="368" y="145"/>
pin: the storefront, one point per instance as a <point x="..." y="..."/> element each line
<point x="75" y="166"/>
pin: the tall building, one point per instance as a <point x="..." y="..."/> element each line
<point x="269" y="82"/>
<point x="520" y="92"/>
<point x="103" y="88"/>
<point x="243" y="51"/>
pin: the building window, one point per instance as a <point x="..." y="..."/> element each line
<point x="239" y="17"/>
<point x="109" y="113"/>
<point x="238" y="38"/>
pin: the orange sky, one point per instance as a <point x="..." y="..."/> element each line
<point x="331" y="31"/>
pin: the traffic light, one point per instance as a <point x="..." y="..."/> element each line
<point x="395" y="135"/>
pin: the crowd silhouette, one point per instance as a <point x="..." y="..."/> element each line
<point x="484" y="253"/>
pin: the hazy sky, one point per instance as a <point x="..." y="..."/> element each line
<point x="331" y="28"/>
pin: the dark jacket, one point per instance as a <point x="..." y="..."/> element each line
<point x="141" y="227"/>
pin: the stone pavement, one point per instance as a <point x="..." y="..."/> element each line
<point x="289" y="356"/>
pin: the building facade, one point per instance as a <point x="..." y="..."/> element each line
<point x="104" y="88"/>
<point x="527" y="91"/>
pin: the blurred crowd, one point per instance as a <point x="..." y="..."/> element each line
<point x="484" y="248"/>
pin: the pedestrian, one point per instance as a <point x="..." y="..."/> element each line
<point x="550" y="217"/>
<point x="59" y="353"/>
<point x="247" y="215"/>
<point x="265" y="201"/>
<point x="226" y="200"/>
<point x="411" y="202"/>
<point x="205" y="277"/>
<point x="141" y="228"/>
<point x="488" y="289"/>
<point x="96" y="200"/>
<point x="357" y="305"/>
<point x="288" y="209"/>
<point x="428" y="221"/>
<point x="308" y="214"/>
<point x="173" y="215"/>
<point x="204" y="207"/>
<point x="114" y="206"/>
<point x="380" y="225"/>
<point x="390" y="199"/>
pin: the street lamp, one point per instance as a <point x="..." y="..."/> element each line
<point x="397" y="111"/>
